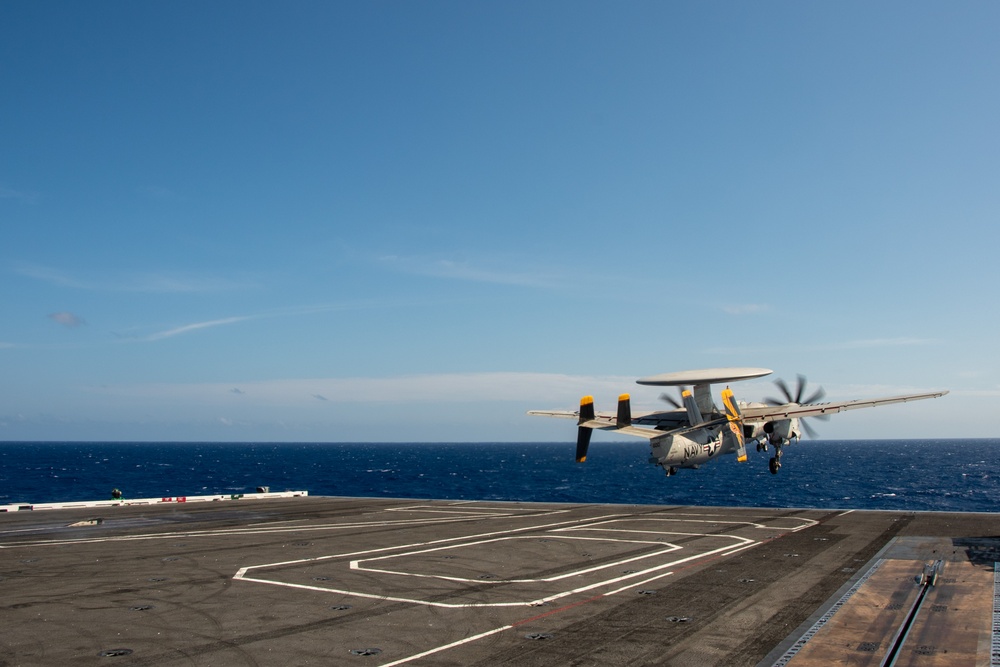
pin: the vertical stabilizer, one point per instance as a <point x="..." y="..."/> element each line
<point x="583" y="433"/>
<point x="693" y="412"/>
<point x="624" y="411"/>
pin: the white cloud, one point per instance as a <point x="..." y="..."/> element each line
<point x="49" y="275"/>
<point x="284" y="312"/>
<point x="188" y="328"/>
<point x="472" y="407"/>
<point x="826" y="347"/>
<point x="10" y="193"/>
<point x="550" y="390"/>
<point x="455" y="270"/>
<point x="745" y="308"/>
<point x="876" y="342"/>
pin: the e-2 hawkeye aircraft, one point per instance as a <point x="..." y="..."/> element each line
<point x="696" y="431"/>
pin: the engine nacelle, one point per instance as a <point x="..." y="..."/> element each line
<point x="781" y="431"/>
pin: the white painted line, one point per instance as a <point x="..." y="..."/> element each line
<point x="448" y="646"/>
<point x="629" y="581"/>
<point x="638" y="583"/>
<point x="356" y="564"/>
<point x="455" y="509"/>
<point x="241" y="575"/>
<point x="637" y="519"/>
<point x="415" y="545"/>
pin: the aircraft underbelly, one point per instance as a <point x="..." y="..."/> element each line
<point x="680" y="451"/>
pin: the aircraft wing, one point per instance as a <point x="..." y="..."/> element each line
<point x="600" y="421"/>
<point x="662" y="420"/>
<point x="563" y="414"/>
<point x="672" y="422"/>
<point x="789" y="410"/>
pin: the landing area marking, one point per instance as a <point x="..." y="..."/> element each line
<point x="643" y="545"/>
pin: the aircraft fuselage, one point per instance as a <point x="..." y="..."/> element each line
<point x="689" y="450"/>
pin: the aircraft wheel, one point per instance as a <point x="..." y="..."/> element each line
<point x="773" y="465"/>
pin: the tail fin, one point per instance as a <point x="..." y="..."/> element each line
<point x="583" y="433"/>
<point x="624" y="411"/>
<point x="693" y="412"/>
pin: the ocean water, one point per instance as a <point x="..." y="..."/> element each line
<point x="923" y="475"/>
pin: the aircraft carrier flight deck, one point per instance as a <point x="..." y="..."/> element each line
<point x="360" y="581"/>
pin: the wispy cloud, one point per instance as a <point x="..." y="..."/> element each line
<point x="548" y="390"/>
<point x="827" y="347"/>
<point x="67" y="319"/>
<point x="138" y="334"/>
<point x="296" y="311"/>
<point x="878" y="342"/>
<point x="467" y="271"/>
<point x="49" y="275"/>
<point x="745" y="308"/>
<point x="188" y="328"/>
<point x="164" y="282"/>
<point x="10" y="193"/>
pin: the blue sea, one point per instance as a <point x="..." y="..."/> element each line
<point x="923" y="475"/>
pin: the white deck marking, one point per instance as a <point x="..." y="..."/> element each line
<point x="438" y="649"/>
<point x="356" y="564"/>
<point x="638" y="583"/>
<point x="806" y="523"/>
<point x="407" y="546"/>
<point x="496" y="536"/>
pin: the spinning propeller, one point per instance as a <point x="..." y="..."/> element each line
<point x="671" y="400"/>
<point x="797" y="399"/>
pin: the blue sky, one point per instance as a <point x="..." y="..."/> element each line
<point x="414" y="221"/>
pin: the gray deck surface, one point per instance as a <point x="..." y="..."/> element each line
<point x="321" y="581"/>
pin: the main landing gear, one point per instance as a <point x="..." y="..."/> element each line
<point x="775" y="463"/>
<point x="671" y="471"/>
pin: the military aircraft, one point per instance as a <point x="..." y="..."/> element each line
<point x="696" y="431"/>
